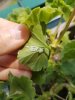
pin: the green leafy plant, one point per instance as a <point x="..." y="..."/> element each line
<point x="50" y="56"/>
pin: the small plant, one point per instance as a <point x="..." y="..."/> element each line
<point x="50" y="56"/>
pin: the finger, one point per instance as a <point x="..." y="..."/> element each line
<point x="14" y="53"/>
<point x="12" y="36"/>
<point x="11" y="62"/>
<point x="4" y="73"/>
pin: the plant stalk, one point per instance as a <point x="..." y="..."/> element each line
<point x="58" y="39"/>
<point x="67" y="25"/>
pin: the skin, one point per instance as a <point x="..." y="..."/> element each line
<point x="10" y="64"/>
<point x="12" y="37"/>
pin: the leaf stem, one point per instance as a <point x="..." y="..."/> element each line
<point x="58" y="39"/>
<point x="59" y="23"/>
<point x="59" y="97"/>
<point x="70" y="97"/>
<point x="67" y="25"/>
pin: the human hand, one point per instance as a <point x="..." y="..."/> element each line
<point x="10" y="64"/>
<point x="12" y="37"/>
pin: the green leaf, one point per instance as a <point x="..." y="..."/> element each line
<point x="65" y="39"/>
<point x="44" y="76"/>
<point x="44" y="14"/>
<point x="17" y="96"/>
<point x="47" y="13"/>
<point x="44" y="26"/>
<point x="2" y="96"/>
<point x="62" y="5"/>
<point x="68" y="68"/>
<point x="38" y="33"/>
<point x="36" y="51"/>
<point x="39" y="77"/>
<point x="70" y="2"/>
<point x="21" y="88"/>
<point x="50" y="73"/>
<point x="68" y="51"/>
<point x="34" y="54"/>
<point x="45" y="96"/>
<point x="33" y="46"/>
<point x="35" y="62"/>
<point x="15" y="16"/>
<point x="33" y="17"/>
<point x="41" y="62"/>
